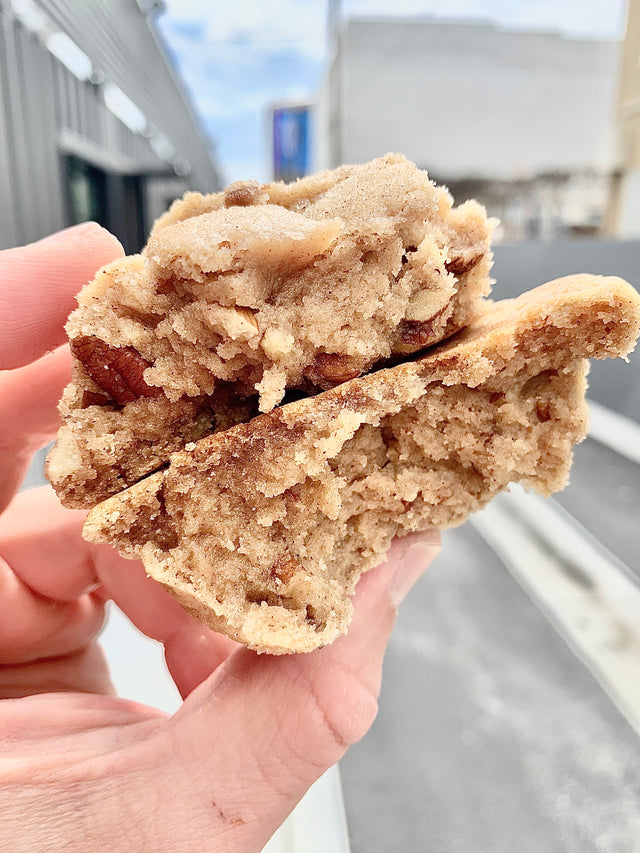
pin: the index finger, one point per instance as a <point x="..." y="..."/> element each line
<point x="41" y="541"/>
<point x="38" y="285"/>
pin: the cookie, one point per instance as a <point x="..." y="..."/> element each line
<point x="244" y="295"/>
<point x="263" y="530"/>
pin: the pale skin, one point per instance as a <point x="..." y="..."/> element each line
<point x="82" y="769"/>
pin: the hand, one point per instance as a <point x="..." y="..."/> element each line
<point x="81" y="769"/>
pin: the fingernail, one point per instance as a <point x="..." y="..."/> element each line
<point x="415" y="560"/>
<point x="73" y="232"/>
<point x="87" y="235"/>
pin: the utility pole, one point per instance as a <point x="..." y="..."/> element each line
<point x="624" y="207"/>
<point x="334" y="51"/>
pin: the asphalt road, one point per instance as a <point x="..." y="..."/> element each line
<point x="604" y="495"/>
<point x="521" y="266"/>
<point x="492" y="736"/>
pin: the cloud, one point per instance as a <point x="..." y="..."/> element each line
<point x="271" y="25"/>
<point x="220" y="86"/>
<point x="238" y="58"/>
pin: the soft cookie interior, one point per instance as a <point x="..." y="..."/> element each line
<point x="246" y="296"/>
<point x="263" y="530"/>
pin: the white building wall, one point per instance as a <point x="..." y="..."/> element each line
<point x="469" y="100"/>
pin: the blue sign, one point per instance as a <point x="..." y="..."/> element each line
<point x="290" y="142"/>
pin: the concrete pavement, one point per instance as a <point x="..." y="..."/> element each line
<point x="492" y="735"/>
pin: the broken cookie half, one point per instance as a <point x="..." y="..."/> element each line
<point x="245" y="295"/>
<point x="262" y="530"/>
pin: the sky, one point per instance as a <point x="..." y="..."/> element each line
<point x="236" y="57"/>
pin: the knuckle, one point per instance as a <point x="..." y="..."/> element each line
<point x="342" y="706"/>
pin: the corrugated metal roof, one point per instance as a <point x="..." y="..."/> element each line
<point x="122" y="43"/>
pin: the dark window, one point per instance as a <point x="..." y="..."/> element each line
<point x="86" y="192"/>
<point x="133" y="236"/>
<point x="114" y="200"/>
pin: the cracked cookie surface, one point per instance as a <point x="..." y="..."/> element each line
<point x="256" y="291"/>
<point x="262" y="531"/>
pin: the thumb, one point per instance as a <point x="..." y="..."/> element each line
<point x="253" y="738"/>
<point x="38" y="285"/>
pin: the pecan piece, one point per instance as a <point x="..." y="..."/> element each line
<point x="496" y="396"/>
<point x="463" y="260"/>
<point x="285" y="567"/>
<point x="313" y="618"/>
<point x="333" y="368"/>
<point x="117" y="370"/>
<point x="242" y="194"/>
<point x="95" y="398"/>
<point x="543" y="411"/>
<point x="415" y="334"/>
<point x="246" y="318"/>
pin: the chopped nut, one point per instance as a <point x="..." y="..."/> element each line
<point x="242" y="194"/>
<point x="333" y="368"/>
<point x="232" y="323"/>
<point x="543" y="411"/>
<point x="237" y="322"/>
<point x="285" y="567"/>
<point x="294" y="491"/>
<point x="247" y="315"/>
<point x="463" y="260"/>
<point x="313" y="618"/>
<point x="117" y="370"/>
<point x="94" y="398"/>
<point x="426" y="304"/>
<point x="415" y="335"/>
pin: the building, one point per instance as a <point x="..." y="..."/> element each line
<point x="95" y="125"/>
<point x="625" y="215"/>
<point x="525" y="121"/>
